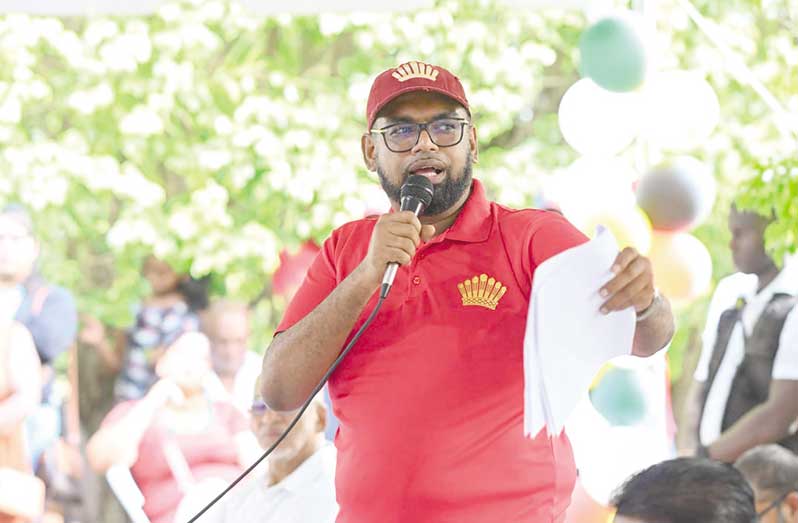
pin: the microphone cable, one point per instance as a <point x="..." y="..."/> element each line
<point x="383" y="293"/>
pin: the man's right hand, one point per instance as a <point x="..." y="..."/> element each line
<point x="394" y="240"/>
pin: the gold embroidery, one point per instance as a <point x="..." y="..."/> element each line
<point x="411" y="70"/>
<point x="482" y="291"/>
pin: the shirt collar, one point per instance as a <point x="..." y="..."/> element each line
<point x="309" y="470"/>
<point x="785" y="282"/>
<point x="473" y="223"/>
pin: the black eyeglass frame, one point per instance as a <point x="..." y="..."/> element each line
<point x="421" y="126"/>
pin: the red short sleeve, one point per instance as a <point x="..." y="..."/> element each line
<point x="319" y="282"/>
<point x="553" y="235"/>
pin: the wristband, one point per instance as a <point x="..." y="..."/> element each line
<point x="648" y="311"/>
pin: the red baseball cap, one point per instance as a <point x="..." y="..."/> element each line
<point x="409" y="77"/>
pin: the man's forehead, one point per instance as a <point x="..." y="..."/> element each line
<point x="410" y="104"/>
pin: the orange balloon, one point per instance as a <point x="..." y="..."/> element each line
<point x="682" y="266"/>
<point x="584" y="509"/>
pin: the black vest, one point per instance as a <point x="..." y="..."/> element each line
<point x="751" y="383"/>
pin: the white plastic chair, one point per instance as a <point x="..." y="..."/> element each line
<point x="127" y="492"/>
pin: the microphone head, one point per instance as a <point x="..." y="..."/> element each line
<point x="419" y="188"/>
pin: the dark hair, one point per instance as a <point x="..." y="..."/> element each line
<point x="687" y="490"/>
<point x="195" y="292"/>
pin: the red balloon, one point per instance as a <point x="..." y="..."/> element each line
<point x="293" y="267"/>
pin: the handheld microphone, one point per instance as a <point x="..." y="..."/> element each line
<point x="416" y="195"/>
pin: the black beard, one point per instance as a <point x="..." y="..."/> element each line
<point x="445" y="194"/>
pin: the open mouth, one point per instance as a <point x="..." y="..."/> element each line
<point x="429" y="172"/>
<point x="434" y="170"/>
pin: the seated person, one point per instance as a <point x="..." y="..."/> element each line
<point x="686" y="490"/>
<point x="772" y="471"/>
<point x="235" y="365"/>
<point x="20" y="391"/>
<point x="299" y="483"/>
<point x="174" y="437"/>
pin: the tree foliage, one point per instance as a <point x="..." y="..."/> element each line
<point x="215" y="139"/>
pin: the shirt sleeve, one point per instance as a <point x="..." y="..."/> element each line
<point x="56" y="325"/>
<point x="553" y="236"/>
<point x="785" y="366"/>
<point x="319" y="282"/>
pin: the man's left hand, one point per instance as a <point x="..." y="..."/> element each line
<point x="633" y="284"/>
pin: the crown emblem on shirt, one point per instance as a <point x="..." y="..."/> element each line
<point x="412" y="70"/>
<point x="482" y="291"/>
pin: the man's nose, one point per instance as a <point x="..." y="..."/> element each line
<point x="424" y="143"/>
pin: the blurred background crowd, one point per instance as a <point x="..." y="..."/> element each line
<point x="168" y="169"/>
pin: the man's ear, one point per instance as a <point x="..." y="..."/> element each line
<point x="369" y="150"/>
<point x="473" y="144"/>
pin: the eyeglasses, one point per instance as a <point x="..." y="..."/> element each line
<point x="258" y="408"/>
<point x="401" y="137"/>
<point x="774" y="504"/>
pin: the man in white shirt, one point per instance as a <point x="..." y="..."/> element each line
<point x="227" y="325"/>
<point x="746" y="381"/>
<point x="299" y="485"/>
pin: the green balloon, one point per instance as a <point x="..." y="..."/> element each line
<point x="613" y="55"/>
<point x="619" y="397"/>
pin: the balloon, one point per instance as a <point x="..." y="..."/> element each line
<point x="619" y="397"/>
<point x="681" y="110"/>
<point x="677" y="195"/>
<point x="289" y="275"/>
<point x="584" y="509"/>
<point x="596" y="121"/>
<point x="682" y="266"/>
<point x="628" y="224"/>
<point x="613" y="54"/>
<point x="598" y="191"/>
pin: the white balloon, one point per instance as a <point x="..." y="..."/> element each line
<point x="681" y="110"/>
<point x="606" y="455"/>
<point x="598" y="122"/>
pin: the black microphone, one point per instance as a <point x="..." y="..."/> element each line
<point x="416" y="195"/>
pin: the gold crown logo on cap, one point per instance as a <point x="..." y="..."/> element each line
<point x="412" y="70"/>
<point x="482" y="291"/>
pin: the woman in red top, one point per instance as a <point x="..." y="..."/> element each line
<point x="174" y="437"/>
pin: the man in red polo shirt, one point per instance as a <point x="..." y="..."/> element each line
<point x="430" y="400"/>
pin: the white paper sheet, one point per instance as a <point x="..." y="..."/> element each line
<point x="567" y="339"/>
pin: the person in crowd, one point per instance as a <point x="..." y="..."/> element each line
<point x="49" y="313"/>
<point x="746" y="380"/>
<point x="174" y="437"/>
<point x="20" y="392"/>
<point x="686" y="490"/>
<point x="236" y="367"/>
<point x="298" y="483"/>
<point x="430" y="400"/>
<point x="772" y="471"/>
<point x="169" y="311"/>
